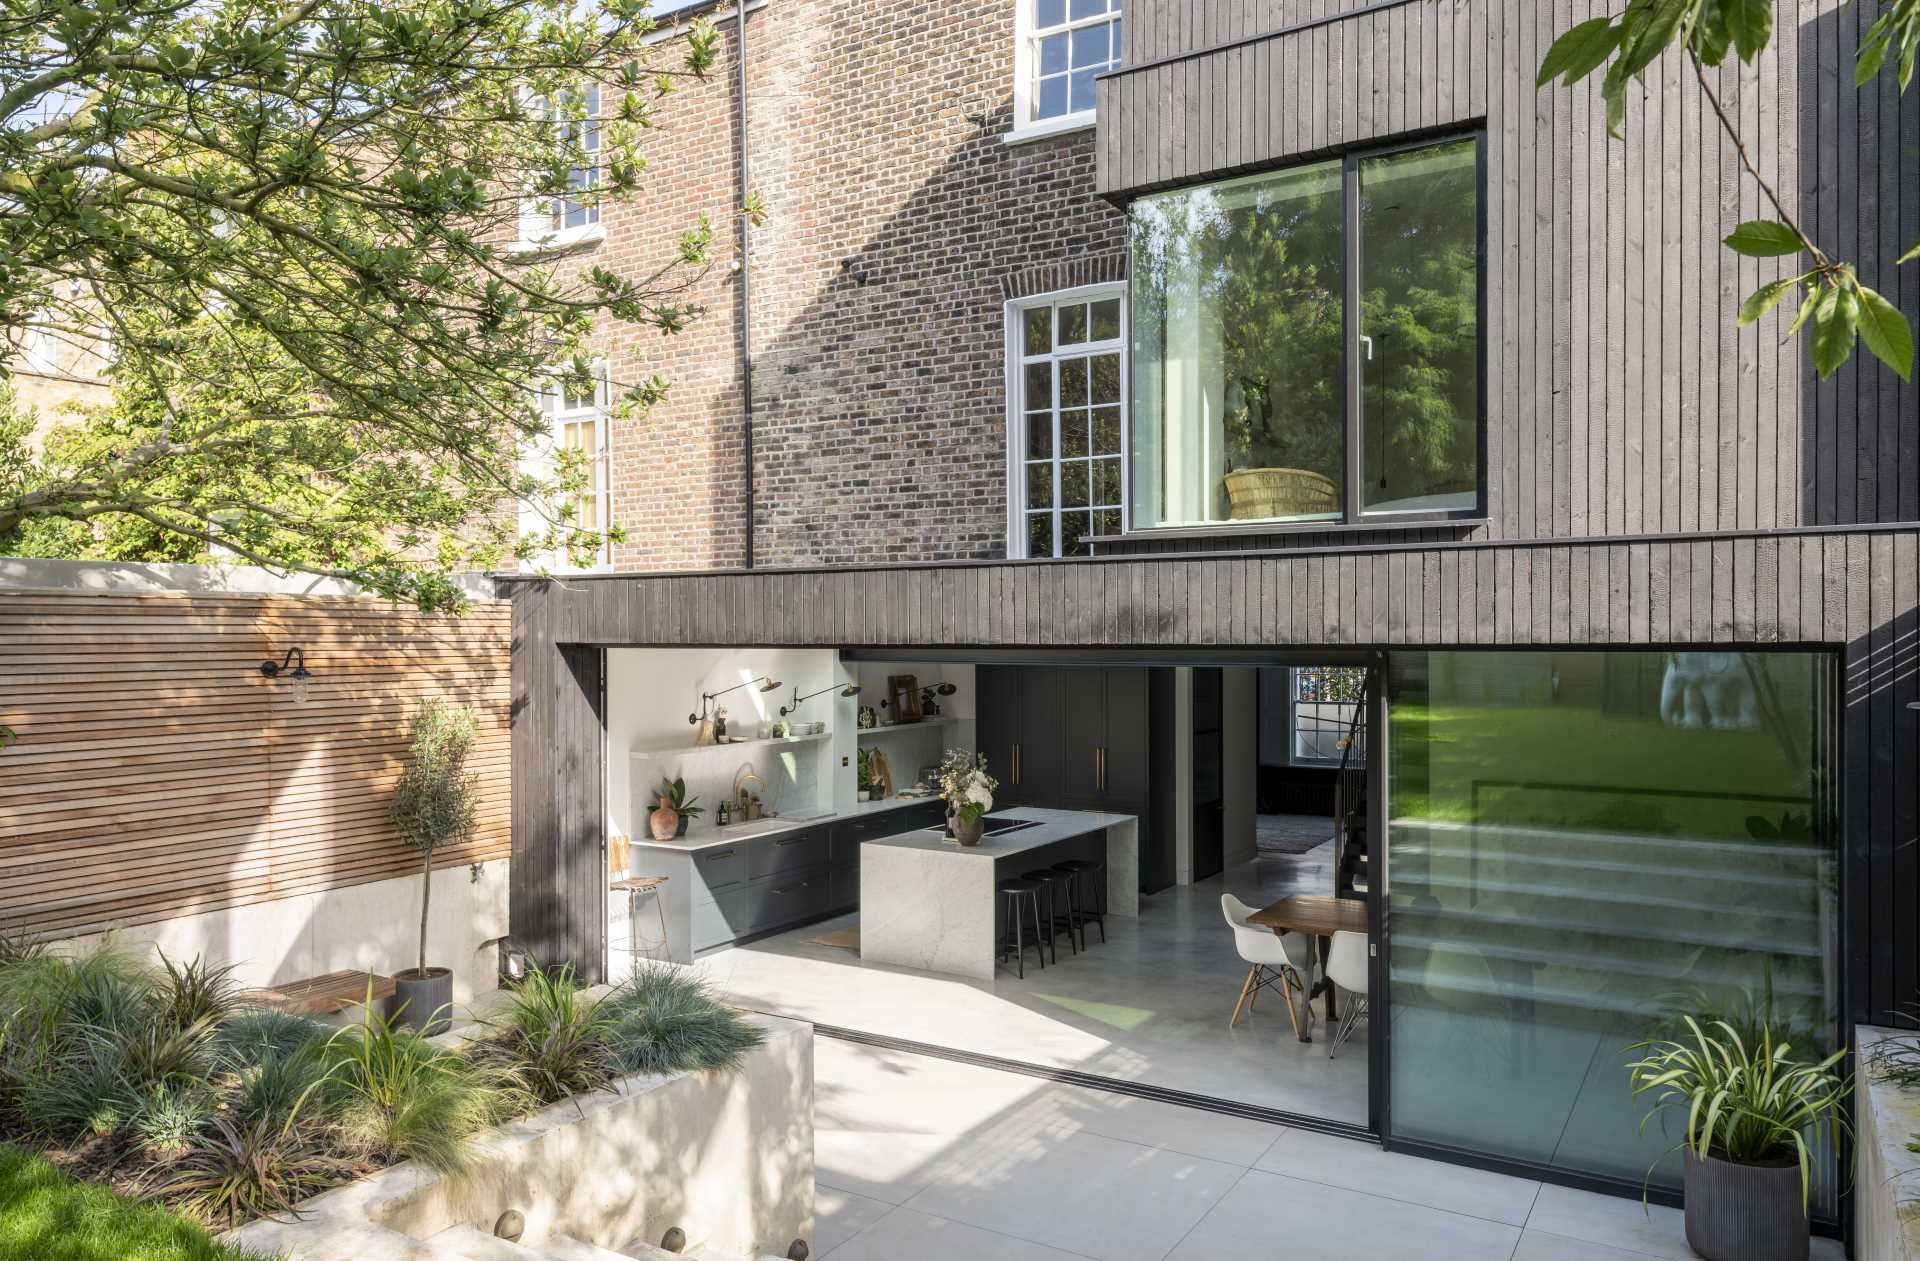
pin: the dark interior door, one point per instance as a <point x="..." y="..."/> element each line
<point x="1084" y="690"/>
<point x="1043" y="722"/>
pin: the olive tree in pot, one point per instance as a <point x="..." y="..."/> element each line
<point x="434" y="806"/>
<point x="1750" y="1110"/>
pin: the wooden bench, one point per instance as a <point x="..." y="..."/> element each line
<point x="327" y="995"/>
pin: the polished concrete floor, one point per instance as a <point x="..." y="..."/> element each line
<point x="1150" y="1005"/>
<point x="930" y="1160"/>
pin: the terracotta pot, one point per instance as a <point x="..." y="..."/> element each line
<point x="423" y="1002"/>
<point x="1740" y="1212"/>
<point x="664" y="822"/>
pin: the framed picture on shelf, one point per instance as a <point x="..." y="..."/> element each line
<point x="903" y="692"/>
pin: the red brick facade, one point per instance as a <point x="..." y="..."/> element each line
<point x="899" y="222"/>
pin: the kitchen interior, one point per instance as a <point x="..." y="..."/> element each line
<point x="1140" y="810"/>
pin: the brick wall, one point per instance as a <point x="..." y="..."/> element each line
<point x="899" y="223"/>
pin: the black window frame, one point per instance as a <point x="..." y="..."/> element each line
<point x="1353" y="417"/>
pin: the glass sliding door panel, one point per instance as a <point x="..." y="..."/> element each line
<point x="1582" y="847"/>
<point x="1419" y="330"/>
<point x="1238" y="310"/>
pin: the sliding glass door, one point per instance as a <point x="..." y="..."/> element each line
<point x="1583" y="847"/>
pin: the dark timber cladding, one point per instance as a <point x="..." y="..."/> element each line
<point x="1849" y="589"/>
<point x="1621" y="397"/>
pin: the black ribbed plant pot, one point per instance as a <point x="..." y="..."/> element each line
<point x="1739" y="1212"/>
<point x="424" y="1003"/>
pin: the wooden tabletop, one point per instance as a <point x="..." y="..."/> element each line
<point x="1304" y="913"/>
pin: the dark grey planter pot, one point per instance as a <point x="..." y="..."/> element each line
<point x="424" y="1003"/>
<point x="1739" y="1212"/>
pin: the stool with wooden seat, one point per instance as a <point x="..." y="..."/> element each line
<point x="1055" y="899"/>
<point x="1021" y="898"/>
<point x="1089" y="881"/>
<point x="637" y="887"/>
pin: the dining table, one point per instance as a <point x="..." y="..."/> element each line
<point x="1319" y="918"/>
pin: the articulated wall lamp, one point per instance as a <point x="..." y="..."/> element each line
<point x="851" y="689"/>
<point x="766" y="683"/>
<point x="294" y="666"/>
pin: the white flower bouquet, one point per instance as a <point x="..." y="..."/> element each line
<point x="966" y="786"/>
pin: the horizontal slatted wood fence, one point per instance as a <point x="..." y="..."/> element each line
<point x="159" y="774"/>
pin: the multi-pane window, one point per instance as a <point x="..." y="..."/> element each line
<point x="1069" y="421"/>
<point x="576" y="122"/>
<point x="1307" y="343"/>
<point x="1067" y="44"/>
<point x="577" y="421"/>
<point x="1326" y="699"/>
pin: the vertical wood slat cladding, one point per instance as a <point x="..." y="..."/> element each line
<point x="159" y="774"/>
<point x="1621" y="397"/>
<point x="1853" y="591"/>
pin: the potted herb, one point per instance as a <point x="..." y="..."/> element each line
<point x="434" y="806"/>
<point x="1749" y="1108"/>
<point x="864" y="770"/>
<point x="672" y="794"/>
<point x="968" y="791"/>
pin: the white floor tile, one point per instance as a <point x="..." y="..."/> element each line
<point x="1361" y="1166"/>
<point x="1079" y="1192"/>
<point x="1268" y="1216"/>
<point x="904" y="1235"/>
<point x="1212" y="1135"/>
<point x="840" y="1215"/>
<point x="1615" y="1221"/>
<point x="1538" y="1245"/>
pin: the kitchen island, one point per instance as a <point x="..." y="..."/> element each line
<point x="927" y="902"/>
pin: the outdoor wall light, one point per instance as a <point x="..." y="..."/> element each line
<point x="851" y="689"/>
<point x="766" y="683"/>
<point x="294" y="666"/>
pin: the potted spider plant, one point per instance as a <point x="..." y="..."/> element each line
<point x="1750" y="1107"/>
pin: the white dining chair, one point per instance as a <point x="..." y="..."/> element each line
<point x="1347" y="970"/>
<point x="1271" y="958"/>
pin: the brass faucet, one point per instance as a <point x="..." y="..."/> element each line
<point x="741" y="797"/>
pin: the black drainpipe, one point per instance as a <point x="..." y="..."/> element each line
<point x="746" y="288"/>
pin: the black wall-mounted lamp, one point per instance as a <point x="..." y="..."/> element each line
<point x="766" y="683"/>
<point x="294" y="666"/>
<point x="851" y="689"/>
<point x="929" y="707"/>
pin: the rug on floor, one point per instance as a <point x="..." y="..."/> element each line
<point x="844" y="938"/>
<point x="1291" y="833"/>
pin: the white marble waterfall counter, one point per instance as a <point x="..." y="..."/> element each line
<point x="929" y="903"/>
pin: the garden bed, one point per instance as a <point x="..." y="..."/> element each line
<point x="166" y="1086"/>
<point x="1886" y="1203"/>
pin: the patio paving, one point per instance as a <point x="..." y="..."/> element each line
<point x="923" y="1158"/>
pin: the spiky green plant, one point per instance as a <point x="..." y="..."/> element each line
<point x="234" y="1173"/>
<point x="396" y="1096"/>
<point x="283" y="1085"/>
<point x="78" y="1094"/>
<point x="195" y="992"/>
<point x="253" y="1035"/>
<point x="1745" y="1100"/>
<point x="169" y="1118"/>
<point x="552" y="1040"/>
<point x="666" y="1021"/>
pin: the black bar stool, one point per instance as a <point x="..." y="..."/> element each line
<point x="1056" y="888"/>
<point x="1088" y="880"/>
<point x="1022" y="896"/>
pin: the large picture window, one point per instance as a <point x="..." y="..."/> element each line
<point x="1307" y="343"/>
<point x="1066" y="414"/>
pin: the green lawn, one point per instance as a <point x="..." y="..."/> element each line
<point x="1440" y="753"/>
<point x="47" y="1216"/>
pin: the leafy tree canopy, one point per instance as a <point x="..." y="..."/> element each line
<point x="1838" y="307"/>
<point x="296" y="224"/>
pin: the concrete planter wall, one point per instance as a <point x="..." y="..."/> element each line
<point x="1886" y="1184"/>
<point x="728" y="1158"/>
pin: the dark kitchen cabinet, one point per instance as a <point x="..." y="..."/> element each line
<point x="1074" y="737"/>
<point x="1040" y="757"/>
<point x="997" y="724"/>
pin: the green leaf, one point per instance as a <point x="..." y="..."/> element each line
<point x="1763" y="238"/>
<point x="1765" y="298"/>
<point x="1579" y="52"/>
<point x="1806" y="311"/>
<point x="1835" y="321"/>
<point x="1750" y="22"/>
<point x="1886" y="333"/>
<point x="1910" y="255"/>
<point x="1872" y="55"/>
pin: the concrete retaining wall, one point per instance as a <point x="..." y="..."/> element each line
<point x="728" y="1158"/>
<point x="1886" y="1189"/>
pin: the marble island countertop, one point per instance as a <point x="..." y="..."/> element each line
<point x="703" y="833"/>
<point x="1053" y="826"/>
